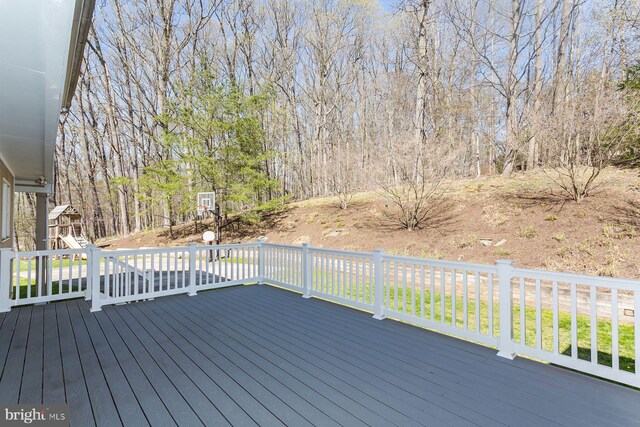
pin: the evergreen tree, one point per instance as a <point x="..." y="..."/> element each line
<point x="628" y="136"/>
<point x="217" y="143"/>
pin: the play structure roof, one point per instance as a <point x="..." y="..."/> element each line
<point x="66" y="210"/>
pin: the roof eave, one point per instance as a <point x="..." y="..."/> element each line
<point x="79" y="35"/>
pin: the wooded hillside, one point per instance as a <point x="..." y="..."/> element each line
<point x="263" y="100"/>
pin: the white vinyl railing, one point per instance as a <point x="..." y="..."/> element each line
<point x="591" y="324"/>
<point x="282" y="265"/>
<point x="113" y="277"/>
<point x="452" y="297"/>
<point x="41" y="276"/>
<point x="134" y="275"/>
<point x="344" y="277"/>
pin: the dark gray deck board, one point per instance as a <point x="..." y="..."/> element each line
<point x="123" y="396"/>
<point x="260" y="355"/>
<point x="194" y="396"/>
<point x="515" y="392"/>
<point x="73" y="374"/>
<point x="313" y="376"/>
<point x="181" y="412"/>
<point x="14" y="364"/>
<point x="257" y="369"/>
<point x="152" y="403"/>
<point x="6" y="334"/>
<point x="306" y="388"/>
<point x="31" y="387"/>
<point x="52" y="376"/>
<point x="352" y="384"/>
<point x="227" y="407"/>
<point x="336" y="397"/>
<point x="238" y="406"/>
<point x="365" y="363"/>
<point x="104" y="410"/>
<point x="223" y="368"/>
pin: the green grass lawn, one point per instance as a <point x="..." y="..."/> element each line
<point x="55" y="288"/>
<point x="24" y="263"/>
<point x="234" y="260"/>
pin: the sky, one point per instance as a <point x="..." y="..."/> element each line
<point x="387" y="4"/>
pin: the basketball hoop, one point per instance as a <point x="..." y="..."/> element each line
<point x="205" y="203"/>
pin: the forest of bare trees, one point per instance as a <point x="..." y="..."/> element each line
<point x="344" y="95"/>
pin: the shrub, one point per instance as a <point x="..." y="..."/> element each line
<point x="466" y="241"/>
<point x="417" y="198"/>
<point x="622" y="231"/>
<point x="528" y="232"/>
<point x="502" y="252"/>
<point x="560" y="237"/>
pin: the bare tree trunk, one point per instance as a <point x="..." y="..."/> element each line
<point x="97" y="219"/>
<point x="113" y="134"/>
<point x="532" y="155"/>
<point x="560" y="75"/>
<point x="511" y="95"/>
<point x="422" y="66"/>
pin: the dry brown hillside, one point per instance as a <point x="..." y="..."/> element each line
<point x="521" y="218"/>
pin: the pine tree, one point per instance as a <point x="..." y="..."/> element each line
<point x="627" y="136"/>
<point x="218" y="144"/>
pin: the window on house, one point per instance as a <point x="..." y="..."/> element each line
<point x="6" y="210"/>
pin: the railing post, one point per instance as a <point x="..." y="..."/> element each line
<point x="505" y="339"/>
<point x="5" y="279"/>
<point x="93" y="276"/>
<point x="378" y="283"/>
<point x="193" y="253"/>
<point x="88" y="286"/>
<point x="307" y="268"/>
<point x="261" y="259"/>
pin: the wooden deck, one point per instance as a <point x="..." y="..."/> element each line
<point x="258" y="355"/>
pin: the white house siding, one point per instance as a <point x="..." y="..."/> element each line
<point x="6" y="175"/>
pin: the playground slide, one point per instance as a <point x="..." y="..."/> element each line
<point x="71" y="242"/>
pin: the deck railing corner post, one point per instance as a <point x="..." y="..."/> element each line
<point x="5" y="279"/>
<point x="378" y="283"/>
<point x="505" y="339"/>
<point x="307" y="268"/>
<point x="94" y="254"/>
<point x="193" y="253"/>
<point x="261" y="259"/>
<point x="88" y="288"/>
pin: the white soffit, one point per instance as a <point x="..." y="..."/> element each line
<point x="35" y="39"/>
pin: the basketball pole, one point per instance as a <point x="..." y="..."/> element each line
<point x="217" y="216"/>
<point x="196" y="221"/>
